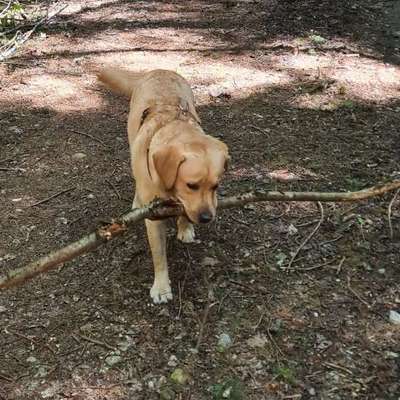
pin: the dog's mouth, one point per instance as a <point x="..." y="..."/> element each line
<point x="190" y="219"/>
<point x="201" y="218"/>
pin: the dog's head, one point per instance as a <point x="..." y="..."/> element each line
<point x="191" y="172"/>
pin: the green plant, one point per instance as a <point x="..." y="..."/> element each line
<point x="11" y="16"/>
<point x="285" y="373"/>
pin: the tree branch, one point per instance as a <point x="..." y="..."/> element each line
<point x="159" y="209"/>
<point x="19" y="39"/>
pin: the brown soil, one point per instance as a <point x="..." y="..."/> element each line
<point x="326" y="111"/>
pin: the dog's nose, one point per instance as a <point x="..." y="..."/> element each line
<point x="205" y="217"/>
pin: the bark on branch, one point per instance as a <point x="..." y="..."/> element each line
<point x="164" y="209"/>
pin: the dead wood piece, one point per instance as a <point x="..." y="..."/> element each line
<point x="163" y="209"/>
<point x="19" y="39"/>
<point x="52" y="197"/>
<point x="89" y="136"/>
<point x="390" y="212"/>
<point x="307" y="239"/>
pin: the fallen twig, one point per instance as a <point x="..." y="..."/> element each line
<point x="258" y="129"/>
<point x="339" y="267"/>
<point x="390" y="212"/>
<point x="52" y="197"/>
<point x="316" y="266"/>
<point x="89" y="136"/>
<point x="339" y="367"/>
<point x="164" y="209"/>
<point x="210" y="295"/>
<point x="5" y="169"/>
<point x="307" y="239"/>
<point x="6" y="378"/>
<point x="114" y="188"/>
<point x="19" y="39"/>
<point x="5" y="10"/>
<point x="98" y="342"/>
<point x="356" y="294"/>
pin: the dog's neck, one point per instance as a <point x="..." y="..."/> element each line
<point x="157" y="117"/>
<point x="172" y="112"/>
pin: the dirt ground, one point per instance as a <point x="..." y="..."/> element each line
<point x="311" y="87"/>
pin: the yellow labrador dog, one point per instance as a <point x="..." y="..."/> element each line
<point x="171" y="156"/>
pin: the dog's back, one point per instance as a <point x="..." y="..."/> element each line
<point x="148" y="89"/>
<point x="159" y="84"/>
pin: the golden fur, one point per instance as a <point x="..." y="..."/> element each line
<point x="171" y="157"/>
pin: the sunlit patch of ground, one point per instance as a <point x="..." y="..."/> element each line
<point x="345" y="78"/>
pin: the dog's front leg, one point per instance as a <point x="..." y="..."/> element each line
<point x="156" y="233"/>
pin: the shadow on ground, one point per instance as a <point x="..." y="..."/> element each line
<point x="87" y="330"/>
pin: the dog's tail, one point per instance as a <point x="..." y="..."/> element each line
<point x="119" y="80"/>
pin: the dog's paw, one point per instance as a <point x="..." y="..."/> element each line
<point x="186" y="235"/>
<point x="161" y="293"/>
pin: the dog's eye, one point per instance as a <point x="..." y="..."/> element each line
<point x="193" y="186"/>
<point x="215" y="187"/>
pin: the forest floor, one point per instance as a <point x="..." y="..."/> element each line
<point x="310" y="89"/>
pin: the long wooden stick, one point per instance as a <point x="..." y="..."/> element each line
<point x="163" y="209"/>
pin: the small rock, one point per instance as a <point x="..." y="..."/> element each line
<point x="87" y="327"/>
<point x="292" y="230"/>
<point x="2" y="309"/>
<point x="276" y="326"/>
<point x="135" y="385"/>
<point x="113" y="360"/>
<point x="316" y="39"/>
<point x="31" y="359"/>
<point x="41" y="372"/>
<point x="224" y="342"/>
<point x="167" y="393"/>
<point x="78" y="156"/>
<point x="209" y="262"/>
<point x="179" y="376"/>
<point x="164" y="312"/>
<point x="312" y="392"/>
<point x="382" y="271"/>
<point x="15" y="129"/>
<point x="394" y="317"/>
<point x="50" y="392"/>
<point x="391" y="354"/>
<point x="124" y="345"/>
<point x="91" y="196"/>
<point x="173" y="361"/>
<point x="226" y="394"/>
<point x="257" y="341"/>
<point x="151" y="384"/>
<point x="259" y="365"/>
<point x="219" y="92"/>
<point x="322" y="342"/>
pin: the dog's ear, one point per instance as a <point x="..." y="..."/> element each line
<point x="166" y="162"/>
<point x="225" y="151"/>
